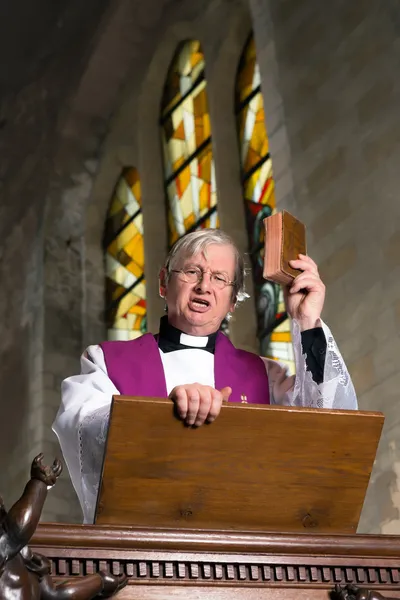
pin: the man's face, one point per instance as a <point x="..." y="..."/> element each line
<point x="199" y="308"/>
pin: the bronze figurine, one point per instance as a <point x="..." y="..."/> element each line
<point x="25" y="575"/>
<point x="352" y="592"/>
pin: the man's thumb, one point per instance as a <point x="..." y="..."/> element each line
<point x="226" y="392"/>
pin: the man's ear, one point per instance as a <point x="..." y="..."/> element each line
<point x="162" y="282"/>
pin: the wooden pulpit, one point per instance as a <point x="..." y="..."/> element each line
<point x="256" y="468"/>
<point x="262" y="504"/>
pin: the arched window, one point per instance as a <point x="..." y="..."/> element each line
<point x="259" y="197"/>
<point x="186" y="139"/>
<point x="124" y="258"/>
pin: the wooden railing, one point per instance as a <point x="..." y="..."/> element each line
<point x="218" y="565"/>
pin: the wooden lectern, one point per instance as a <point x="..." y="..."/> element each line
<point x="188" y="491"/>
<point x="256" y="468"/>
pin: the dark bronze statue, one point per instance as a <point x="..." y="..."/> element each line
<point x="25" y="575"/>
<point x="352" y="592"/>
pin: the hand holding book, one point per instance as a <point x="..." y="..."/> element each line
<point x="305" y="297"/>
<point x="287" y="263"/>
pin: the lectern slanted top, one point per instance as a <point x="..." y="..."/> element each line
<point x="264" y="468"/>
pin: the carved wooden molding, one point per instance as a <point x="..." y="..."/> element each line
<point x="222" y="558"/>
<point x="206" y="572"/>
<point x="125" y="538"/>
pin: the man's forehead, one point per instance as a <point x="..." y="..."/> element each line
<point x="214" y="253"/>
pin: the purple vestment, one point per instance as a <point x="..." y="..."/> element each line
<point x="136" y="369"/>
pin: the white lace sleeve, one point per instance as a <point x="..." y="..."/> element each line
<point x="336" y="390"/>
<point x="81" y="426"/>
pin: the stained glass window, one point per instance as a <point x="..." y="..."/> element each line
<point x="124" y="258"/>
<point x="186" y="139"/>
<point x="259" y="197"/>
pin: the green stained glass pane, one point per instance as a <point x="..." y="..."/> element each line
<point x="124" y="260"/>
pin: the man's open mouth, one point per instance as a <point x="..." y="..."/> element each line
<point x="199" y="303"/>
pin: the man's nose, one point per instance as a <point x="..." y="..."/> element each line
<point x="204" y="283"/>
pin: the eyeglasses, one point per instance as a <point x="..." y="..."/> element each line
<point x="195" y="274"/>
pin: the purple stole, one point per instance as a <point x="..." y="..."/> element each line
<point x="136" y="369"/>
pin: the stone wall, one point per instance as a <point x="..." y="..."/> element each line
<point x="338" y="65"/>
<point x="46" y="46"/>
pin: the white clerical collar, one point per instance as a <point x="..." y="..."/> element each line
<point x="193" y="340"/>
<point x="171" y="339"/>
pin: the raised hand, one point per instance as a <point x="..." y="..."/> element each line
<point x="197" y="404"/>
<point x="305" y="297"/>
<point x="47" y="474"/>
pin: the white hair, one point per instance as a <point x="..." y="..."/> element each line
<point x="197" y="241"/>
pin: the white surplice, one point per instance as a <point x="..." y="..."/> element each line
<point x="82" y="420"/>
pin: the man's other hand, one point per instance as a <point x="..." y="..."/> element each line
<point x="305" y="297"/>
<point x="197" y="404"/>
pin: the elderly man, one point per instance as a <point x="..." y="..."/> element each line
<point x="193" y="363"/>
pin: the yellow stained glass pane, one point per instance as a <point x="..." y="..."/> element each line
<point x="122" y="276"/>
<point x="177" y="155"/>
<point x="259" y="196"/>
<point x="126" y="201"/>
<point x="116" y="206"/>
<point x="283" y="328"/>
<point x="128" y="301"/>
<point x="205" y="167"/>
<point x="186" y="126"/>
<point x="201" y="116"/>
<point x="124" y="237"/>
<point x="191" y="195"/>
<point x="259" y="187"/>
<point x="213" y="221"/>
<point x="253" y="138"/>
<point x="281" y="309"/>
<point x="204" y="198"/>
<point x="283" y="336"/>
<point x="135" y="249"/>
<point x="186" y="67"/>
<point x="127" y="248"/>
<point x="189" y="221"/>
<point x="138" y="309"/>
<point x="185" y="123"/>
<point x="125" y="304"/>
<point x="124" y="259"/>
<point x="248" y="77"/>
<point x="187" y="202"/>
<point x="183" y="181"/>
<point x="186" y="129"/>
